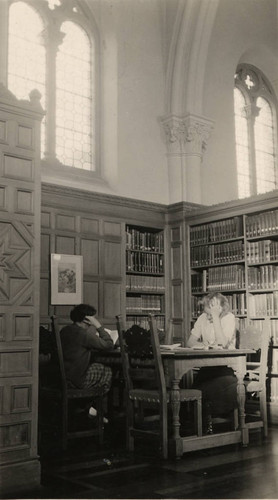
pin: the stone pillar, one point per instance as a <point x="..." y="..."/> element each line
<point x="186" y="139"/>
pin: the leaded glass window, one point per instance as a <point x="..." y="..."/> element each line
<point x="73" y="98"/>
<point x="26" y="55"/>
<point x="255" y="132"/>
<point x="51" y="48"/>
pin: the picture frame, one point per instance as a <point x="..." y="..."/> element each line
<point x="66" y="279"/>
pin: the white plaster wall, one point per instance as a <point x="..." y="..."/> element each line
<point x="244" y="31"/>
<point x="142" y="165"/>
<point x="132" y="65"/>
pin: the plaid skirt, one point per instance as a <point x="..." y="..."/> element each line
<point x="99" y="377"/>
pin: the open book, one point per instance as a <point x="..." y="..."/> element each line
<point x="113" y="334"/>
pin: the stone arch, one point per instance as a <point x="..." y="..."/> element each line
<point x="188" y="54"/>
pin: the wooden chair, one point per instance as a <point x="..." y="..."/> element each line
<point x="145" y="384"/>
<point x="255" y="381"/>
<point x="65" y="394"/>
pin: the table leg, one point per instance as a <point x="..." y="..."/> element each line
<point x="240" y="373"/>
<point x="176" y="442"/>
<point x="175" y="403"/>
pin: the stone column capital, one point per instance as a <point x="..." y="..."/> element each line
<point x="186" y="135"/>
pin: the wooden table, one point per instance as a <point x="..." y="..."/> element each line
<point x="177" y="363"/>
<point x="180" y="361"/>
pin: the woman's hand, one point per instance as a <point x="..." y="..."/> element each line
<point x="215" y="308"/>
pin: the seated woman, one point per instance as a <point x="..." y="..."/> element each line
<point x="215" y="328"/>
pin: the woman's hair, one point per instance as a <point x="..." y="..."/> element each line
<point x="206" y="300"/>
<point x="79" y="312"/>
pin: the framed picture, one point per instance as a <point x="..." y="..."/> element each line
<point x="66" y="279"/>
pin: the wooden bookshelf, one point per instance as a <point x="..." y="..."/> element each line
<point x="238" y="256"/>
<point x="145" y="280"/>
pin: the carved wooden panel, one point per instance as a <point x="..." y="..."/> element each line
<point x="112" y="228"/>
<point x="112" y="299"/>
<point x="177" y="301"/>
<point x="176" y="261"/>
<point x="66" y="222"/>
<point x="3" y="198"/>
<point x="22" y="326"/>
<point x="18" y="167"/>
<point x="90" y="226"/>
<point x="91" y="294"/>
<point x="177" y="279"/>
<point x="16" y="257"/>
<point x="14" y="436"/>
<point x="16" y="363"/>
<point x="65" y="244"/>
<point x="19" y="282"/>
<point x="91" y="255"/>
<point x="112" y="258"/>
<point x="21" y="398"/>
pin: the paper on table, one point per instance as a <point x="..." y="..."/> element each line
<point x="170" y="346"/>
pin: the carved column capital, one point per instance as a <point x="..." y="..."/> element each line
<point x="198" y="130"/>
<point x="186" y="135"/>
<point x="173" y="133"/>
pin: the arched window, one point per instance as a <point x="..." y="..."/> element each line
<point x="255" y="132"/>
<point x="26" y="55"/>
<point x="51" y="47"/>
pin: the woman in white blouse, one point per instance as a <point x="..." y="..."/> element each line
<point x="215" y="328"/>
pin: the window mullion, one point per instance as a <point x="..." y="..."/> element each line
<point x="53" y="38"/>
<point x="251" y="112"/>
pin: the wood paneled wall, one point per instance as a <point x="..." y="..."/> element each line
<point x="100" y="242"/>
<point x="81" y="223"/>
<point x="19" y="280"/>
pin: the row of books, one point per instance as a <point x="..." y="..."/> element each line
<point x="262" y="224"/>
<point x="219" y="278"/>
<point x="144" y="262"/>
<point x="143" y="240"/>
<point x="144" y="303"/>
<point x="262" y="277"/>
<point x="215" y="254"/>
<point x="258" y="323"/>
<point x="216" y="231"/>
<point x="143" y="322"/>
<point x="263" y="304"/>
<point x="145" y="283"/>
<point x="226" y="278"/>
<point x="237" y="303"/>
<point x="261" y="251"/>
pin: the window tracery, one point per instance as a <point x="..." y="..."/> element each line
<point x="51" y="47"/>
<point x="255" y="132"/>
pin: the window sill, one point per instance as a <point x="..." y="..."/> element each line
<point x="56" y="173"/>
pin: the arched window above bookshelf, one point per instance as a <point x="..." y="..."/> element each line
<point x="255" y="109"/>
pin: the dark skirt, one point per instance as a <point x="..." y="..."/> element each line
<point x="219" y="389"/>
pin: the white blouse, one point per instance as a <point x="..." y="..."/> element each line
<point x="204" y="330"/>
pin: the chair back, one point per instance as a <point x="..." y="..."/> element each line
<point x="141" y="357"/>
<point x="60" y="358"/>
<point x="257" y="339"/>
